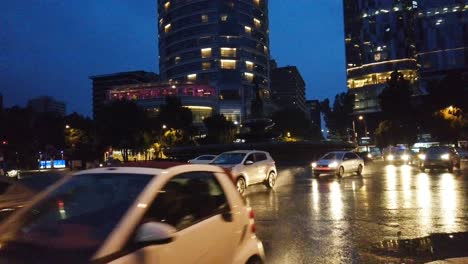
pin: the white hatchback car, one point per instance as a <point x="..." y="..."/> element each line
<point x="203" y="159"/>
<point x="339" y="163"/>
<point x="184" y="214"/>
<point x="248" y="167"/>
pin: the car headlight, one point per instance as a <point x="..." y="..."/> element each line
<point x="333" y="164"/>
<point x="314" y="165"/>
<point x="405" y="157"/>
<point x="390" y="157"/>
<point x="445" y="156"/>
<point x="422" y="156"/>
<point x="369" y="156"/>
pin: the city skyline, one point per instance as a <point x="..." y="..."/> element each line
<point x="94" y="39"/>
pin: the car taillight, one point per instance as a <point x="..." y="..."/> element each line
<point x="253" y="227"/>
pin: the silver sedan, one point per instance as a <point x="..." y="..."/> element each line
<point x="339" y="163"/>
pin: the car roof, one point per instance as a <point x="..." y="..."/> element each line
<point x="126" y="170"/>
<point x="244" y="151"/>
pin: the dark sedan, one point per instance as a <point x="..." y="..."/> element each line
<point x="440" y="157"/>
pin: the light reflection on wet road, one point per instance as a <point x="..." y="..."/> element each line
<point x="326" y="220"/>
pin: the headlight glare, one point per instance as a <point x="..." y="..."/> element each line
<point x="333" y="164"/>
<point x="314" y="165"/>
<point x="445" y="156"/>
<point x="390" y="157"/>
<point x="405" y="157"/>
<point x="422" y="156"/>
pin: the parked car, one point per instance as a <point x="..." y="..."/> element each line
<point x="440" y="157"/>
<point x="248" y="167"/>
<point x="204" y="159"/>
<point x="132" y="215"/>
<point x="339" y="163"/>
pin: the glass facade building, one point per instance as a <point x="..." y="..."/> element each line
<point x="421" y="38"/>
<point x="222" y="43"/>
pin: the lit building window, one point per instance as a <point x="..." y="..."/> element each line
<point x="167" y="28"/>
<point x="248" y="29"/>
<point x="228" y="64"/>
<point x="177" y="60"/>
<point x="228" y="52"/>
<point x="206" y="53"/>
<point x="167" y="5"/>
<point x="257" y="23"/>
<point x="224" y="18"/>
<point x="249" y="65"/>
<point x="161" y="22"/>
<point x="257" y="2"/>
<point x="192" y="77"/>
<point x="204" y="18"/>
<point x="249" y="76"/>
<point x="206" y="65"/>
<point x="265" y="49"/>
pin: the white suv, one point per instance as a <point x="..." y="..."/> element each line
<point x="248" y="167"/>
<point x="120" y="215"/>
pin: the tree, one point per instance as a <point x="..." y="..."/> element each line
<point x="295" y="122"/>
<point x="174" y="116"/>
<point x="220" y="130"/>
<point x="80" y="138"/>
<point x="121" y="125"/>
<point x="393" y="133"/>
<point x="339" y="118"/>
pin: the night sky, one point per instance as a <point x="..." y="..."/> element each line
<point x="51" y="47"/>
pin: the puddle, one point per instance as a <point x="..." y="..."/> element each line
<point x="418" y="250"/>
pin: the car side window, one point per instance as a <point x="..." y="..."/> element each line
<point x="348" y="156"/>
<point x="187" y="199"/>
<point x="250" y="157"/>
<point x="259" y="156"/>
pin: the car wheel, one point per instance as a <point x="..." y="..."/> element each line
<point x="271" y="180"/>
<point x="458" y="165"/>
<point x="254" y="260"/>
<point x="422" y="168"/>
<point x="316" y="174"/>
<point x="359" y="170"/>
<point x="241" y="185"/>
<point x="450" y="168"/>
<point x="340" y="172"/>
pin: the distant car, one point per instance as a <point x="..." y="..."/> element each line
<point x="248" y="167"/>
<point x="204" y="159"/>
<point x="440" y="157"/>
<point x="463" y="153"/>
<point x="400" y="156"/>
<point x="368" y="152"/>
<point x="339" y="163"/>
<point x="127" y="215"/>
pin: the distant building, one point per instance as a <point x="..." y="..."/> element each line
<point x="47" y="104"/>
<point x="313" y="111"/>
<point x="424" y="39"/>
<point x="442" y="39"/>
<point x="288" y="87"/>
<point x="221" y="43"/>
<point x="199" y="98"/>
<point x="103" y="83"/>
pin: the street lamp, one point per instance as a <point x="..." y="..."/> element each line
<point x="164" y="126"/>
<point x="365" y="125"/>
<point x="67" y="126"/>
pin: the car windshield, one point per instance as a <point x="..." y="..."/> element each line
<point x="333" y="156"/>
<point x="77" y="216"/>
<point x="438" y="150"/>
<point x="229" y="158"/>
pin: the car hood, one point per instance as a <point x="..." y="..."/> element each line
<point x="226" y="166"/>
<point x="326" y="162"/>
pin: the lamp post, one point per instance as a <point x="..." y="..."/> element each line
<point x="365" y="124"/>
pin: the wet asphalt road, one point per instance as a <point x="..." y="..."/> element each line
<point x="326" y="220"/>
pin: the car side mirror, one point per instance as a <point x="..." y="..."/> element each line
<point x="249" y="162"/>
<point x="155" y="233"/>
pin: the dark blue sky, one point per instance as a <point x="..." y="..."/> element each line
<point x="50" y="47"/>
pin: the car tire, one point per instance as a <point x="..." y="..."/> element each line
<point x="316" y="174"/>
<point x="458" y="165"/>
<point x="241" y="185"/>
<point x="254" y="260"/>
<point x="450" y="168"/>
<point x="271" y="180"/>
<point x="340" y="172"/>
<point x="359" y="170"/>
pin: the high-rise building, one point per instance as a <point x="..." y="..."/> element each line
<point x="380" y="38"/>
<point x="103" y="83"/>
<point x="223" y="43"/>
<point x="313" y="111"/>
<point x="47" y="104"/>
<point x="423" y="39"/>
<point x="288" y="88"/>
<point x="442" y="38"/>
